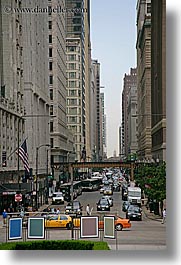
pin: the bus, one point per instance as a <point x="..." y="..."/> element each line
<point x="91" y="184"/>
<point x="66" y="190"/>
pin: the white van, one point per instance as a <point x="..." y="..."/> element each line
<point x="58" y="198"/>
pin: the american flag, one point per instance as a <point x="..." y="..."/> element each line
<point x="23" y="154"/>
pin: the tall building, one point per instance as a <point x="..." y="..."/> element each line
<point x="129" y="84"/>
<point x="75" y="60"/>
<point x="87" y="77"/>
<point x="158" y="79"/>
<point x="36" y="93"/>
<point x="93" y="112"/>
<point x="12" y="124"/>
<point x="143" y="46"/>
<point x="61" y="139"/>
<point x="98" y="141"/>
<point x="104" y="145"/>
<point x="132" y="120"/>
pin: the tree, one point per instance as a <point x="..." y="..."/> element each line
<point x="152" y="179"/>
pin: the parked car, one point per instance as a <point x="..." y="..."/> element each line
<point x="120" y="223"/>
<point x="134" y="212"/>
<point x="57" y="198"/>
<point x="103" y="205"/>
<point x="125" y="206"/>
<point x="109" y="198"/>
<point x="74" y="207"/>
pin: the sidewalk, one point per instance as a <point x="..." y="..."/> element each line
<point x="41" y="208"/>
<point x="151" y="215"/>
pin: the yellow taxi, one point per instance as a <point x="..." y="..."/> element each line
<point x="60" y="221"/>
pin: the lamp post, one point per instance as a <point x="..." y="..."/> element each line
<point x="37" y="149"/>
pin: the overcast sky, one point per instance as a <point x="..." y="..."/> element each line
<point x="113" y="39"/>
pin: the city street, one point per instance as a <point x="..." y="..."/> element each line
<point x="146" y="234"/>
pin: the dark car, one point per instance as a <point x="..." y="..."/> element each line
<point x="134" y="212"/>
<point x="125" y="206"/>
<point x="103" y="205"/>
<point x="74" y="208"/>
<point x="116" y="187"/>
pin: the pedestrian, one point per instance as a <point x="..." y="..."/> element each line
<point x="22" y="213"/>
<point x="58" y="211"/>
<point x="164" y="216"/>
<point x="88" y="209"/>
<point x="5" y="215"/>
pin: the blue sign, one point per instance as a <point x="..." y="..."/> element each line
<point x="15" y="228"/>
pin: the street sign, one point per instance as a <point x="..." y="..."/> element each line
<point x="18" y="197"/>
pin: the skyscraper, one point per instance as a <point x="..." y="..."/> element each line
<point x="61" y="139"/>
<point x="104" y="144"/>
<point x="129" y="84"/>
<point x="158" y="79"/>
<point x="144" y="78"/>
<point x="12" y="125"/>
<point x="75" y="52"/>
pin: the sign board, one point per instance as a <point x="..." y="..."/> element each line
<point x="18" y="197"/>
<point x="9" y="192"/>
<point x="109" y="229"/>
<point x="15" y="228"/>
<point x="36" y="227"/>
<point x="89" y="226"/>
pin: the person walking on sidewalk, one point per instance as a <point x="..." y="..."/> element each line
<point x="5" y="215"/>
<point x="88" y="209"/>
<point x="164" y="216"/>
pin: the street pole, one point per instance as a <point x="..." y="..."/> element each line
<point x="36" y="178"/>
<point x="47" y="188"/>
<point x="72" y="198"/>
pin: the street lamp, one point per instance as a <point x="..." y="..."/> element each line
<point x="37" y="149"/>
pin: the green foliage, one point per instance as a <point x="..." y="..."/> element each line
<point x="55" y="245"/>
<point x="152" y="179"/>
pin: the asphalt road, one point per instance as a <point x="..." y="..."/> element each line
<point x="143" y="235"/>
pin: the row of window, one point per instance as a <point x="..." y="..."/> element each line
<point x="73" y="57"/>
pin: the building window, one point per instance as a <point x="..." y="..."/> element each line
<point x="50" y="66"/>
<point x="50" y="38"/>
<point x="50" y="52"/>
<point x="72" y="83"/>
<point x="72" y="92"/>
<point x="51" y="110"/>
<point x="72" y="66"/>
<point x="51" y="80"/>
<point x="72" y="75"/>
<point x="71" y="57"/>
<point x="51" y="142"/>
<point x="149" y="8"/>
<point x="51" y="126"/>
<point x="49" y="24"/>
<point x="51" y="94"/>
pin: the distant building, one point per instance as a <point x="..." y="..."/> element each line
<point x="129" y="84"/>
<point x="98" y="136"/>
<point x="132" y="120"/>
<point x="104" y="145"/>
